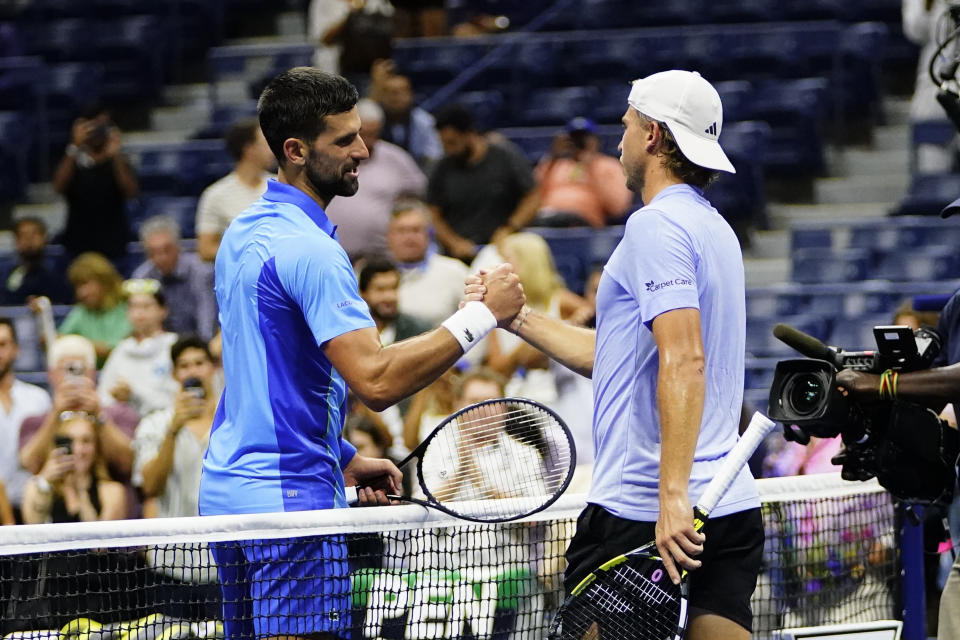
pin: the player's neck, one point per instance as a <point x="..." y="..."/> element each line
<point x="299" y="180"/>
<point x="656" y="180"/>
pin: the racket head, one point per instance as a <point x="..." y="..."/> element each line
<point x="496" y="461"/>
<point x="630" y="597"/>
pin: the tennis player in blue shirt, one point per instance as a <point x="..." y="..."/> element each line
<point x="667" y="364"/>
<point x="295" y="334"/>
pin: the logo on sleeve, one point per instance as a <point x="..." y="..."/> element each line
<point x="344" y="304"/>
<point x="653" y="286"/>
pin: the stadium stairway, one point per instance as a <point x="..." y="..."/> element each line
<point x="185" y="108"/>
<point x="864" y="182"/>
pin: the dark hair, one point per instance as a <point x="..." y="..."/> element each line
<point x="455" y="116"/>
<point x="678" y="164"/>
<point x="362" y="422"/>
<point x="296" y="103"/>
<point x="189" y="341"/>
<point x="13" y="329"/>
<point x="40" y="224"/>
<point x="239" y="135"/>
<point x="372" y="266"/>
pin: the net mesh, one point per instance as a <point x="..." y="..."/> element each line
<point x="405" y="572"/>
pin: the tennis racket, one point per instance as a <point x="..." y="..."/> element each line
<point x="631" y="597"/>
<point x="494" y="461"/>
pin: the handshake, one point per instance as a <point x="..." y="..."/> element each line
<point x="500" y="290"/>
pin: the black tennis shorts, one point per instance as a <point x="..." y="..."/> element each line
<point x="732" y="555"/>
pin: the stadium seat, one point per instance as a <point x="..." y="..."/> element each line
<point x="16" y="135"/>
<point x="760" y="340"/>
<point x="182" y="168"/>
<point x="182" y="208"/>
<point x="928" y="263"/>
<point x="929" y="193"/>
<point x="740" y="196"/>
<point x="826" y="265"/>
<point x="223" y="116"/>
<point x="933" y="132"/>
<point x="557" y="106"/>
<point x="856" y="333"/>
<point x="487" y="108"/>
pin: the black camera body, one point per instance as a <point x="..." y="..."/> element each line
<point x="910" y="451"/>
<point x="804" y="391"/>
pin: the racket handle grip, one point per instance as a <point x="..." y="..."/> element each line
<point x="351" y="495"/>
<point x="760" y="426"/>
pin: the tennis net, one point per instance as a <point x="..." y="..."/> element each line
<point x="405" y="572"/>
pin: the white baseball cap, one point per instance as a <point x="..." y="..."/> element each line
<point x="691" y="109"/>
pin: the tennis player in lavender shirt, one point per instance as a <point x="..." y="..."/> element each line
<point x="667" y="364"/>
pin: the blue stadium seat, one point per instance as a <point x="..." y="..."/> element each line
<point x="16" y="135"/>
<point x="225" y="115"/>
<point x="760" y="340"/>
<point x="928" y="263"/>
<point x="740" y="196"/>
<point x="577" y="250"/>
<point x="182" y="208"/>
<point x="733" y="11"/>
<point x="856" y="333"/>
<point x="181" y="168"/>
<point x="903" y="233"/>
<point x="758" y="372"/>
<point x="826" y="265"/>
<point x="929" y="193"/>
<point x="805" y="238"/>
<point x="557" y="106"/>
<point x="487" y="108"/>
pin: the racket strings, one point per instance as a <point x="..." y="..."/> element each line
<point x="528" y="465"/>
<point x="623" y="604"/>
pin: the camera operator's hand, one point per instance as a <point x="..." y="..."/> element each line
<point x="81" y="131"/>
<point x="863" y="386"/>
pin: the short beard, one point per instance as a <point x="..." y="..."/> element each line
<point x="635" y="181"/>
<point x="326" y="180"/>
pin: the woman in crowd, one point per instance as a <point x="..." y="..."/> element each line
<point x="100" y="313"/>
<point x="73" y="485"/>
<point x="139" y="370"/>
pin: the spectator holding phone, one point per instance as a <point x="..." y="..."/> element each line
<point x="72" y="371"/>
<point x="169" y="443"/>
<point x="73" y="484"/>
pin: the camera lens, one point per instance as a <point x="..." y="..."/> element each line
<point x="805" y="394"/>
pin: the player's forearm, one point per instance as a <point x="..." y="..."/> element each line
<point x="680" y="394"/>
<point x="573" y="347"/>
<point x="404" y="368"/>
<point x="156" y="472"/>
<point x="34" y="453"/>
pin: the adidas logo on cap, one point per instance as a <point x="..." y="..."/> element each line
<point x="712" y="129"/>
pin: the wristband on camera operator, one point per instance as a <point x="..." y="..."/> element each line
<point x="883" y="403"/>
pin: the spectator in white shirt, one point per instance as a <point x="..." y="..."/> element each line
<point x="138" y="369"/>
<point x="18" y="400"/>
<point x="226" y="198"/>
<point x="431" y="285"/>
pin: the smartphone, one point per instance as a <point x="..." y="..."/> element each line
<point x="195" y="386"/>
<point x="63" y="442"/>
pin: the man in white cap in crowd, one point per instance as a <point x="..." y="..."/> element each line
<point x="666" y="360"/>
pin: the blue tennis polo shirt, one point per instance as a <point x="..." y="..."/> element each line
<point x="284" y="287"/>
<point x="677" y="252"/>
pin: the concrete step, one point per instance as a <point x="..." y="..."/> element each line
<point x="769" y="244"/>
<point x="896" y="109"/>
<point x="872" y="162"/>
<point x="891" y="137"/>
<point x="759" y="272"/>
<point x="888" y="188"/>
<point x="180" y="119"/>
<point x="291" y="24"/>
<point x="153" y="137"/>
<point x="53" y="214"/>
<point x="178" y="94"/>
<point x="783" y="215"/>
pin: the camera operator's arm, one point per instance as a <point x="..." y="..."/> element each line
<point x="942" y="384"/>
<point x="63" y="175"/>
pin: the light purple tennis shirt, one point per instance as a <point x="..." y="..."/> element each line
<point x="677" y="252"/>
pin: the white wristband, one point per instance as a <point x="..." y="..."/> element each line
<point x="42" y="484"/>
<point x="470" y="324"/>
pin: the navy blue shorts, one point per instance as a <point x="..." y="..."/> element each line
<point x="284" y="587"/>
